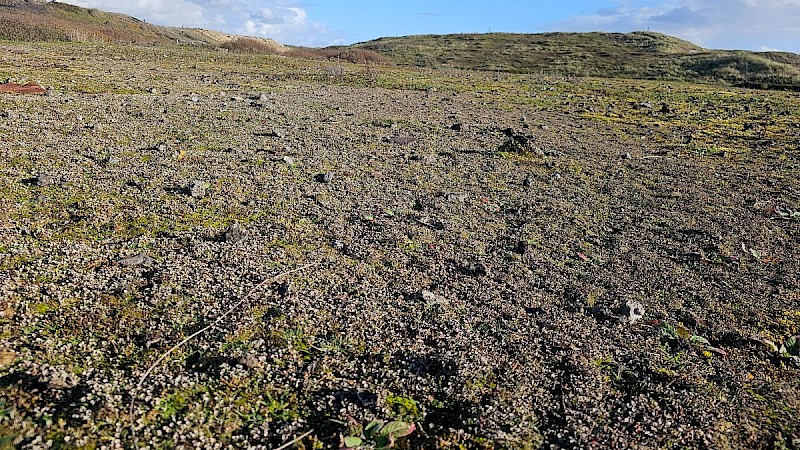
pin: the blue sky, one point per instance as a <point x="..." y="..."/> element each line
<point x="727" y="24"/>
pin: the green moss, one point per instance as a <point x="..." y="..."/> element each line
<point x="404" y="407"/>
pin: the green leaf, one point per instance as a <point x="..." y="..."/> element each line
<point x="373" y="427"/>
<point x="382" y="441"/>
<point x="669" y="331"/>
<point x="699" y="340"/>
<point x="791" y="347"/>
<point x="398" y="429"/>
<point x="353" y="441"/>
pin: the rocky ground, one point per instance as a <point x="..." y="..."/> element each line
<point x="485" y="261"/>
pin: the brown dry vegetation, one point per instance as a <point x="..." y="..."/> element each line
<point x="355" y="56"/>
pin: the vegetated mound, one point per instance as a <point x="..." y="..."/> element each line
<point x="748" y="69"/>
<point x="638" y="55"/>
<point x="30" y="20"/>
<point x="357" y="56"/>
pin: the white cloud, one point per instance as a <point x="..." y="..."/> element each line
<point x="713" y="23"/>
<point x="283" y="20"/>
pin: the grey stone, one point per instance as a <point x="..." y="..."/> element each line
<point x="234" y="234"/>
<point x="138" y="260"/>
<point x="633" y="310"/>
<point x="198" y="188"/>
<point x="45" y="179"/>
<point x="250" y="361"/>
<point x="433" y="299"/>
<point x="454" y="197"/>
<point x="400" y="140"/>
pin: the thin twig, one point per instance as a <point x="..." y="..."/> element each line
<point x="298" y="439"/>
<point x="198" y="333"/>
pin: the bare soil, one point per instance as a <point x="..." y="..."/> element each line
<point x="503" y="261"/>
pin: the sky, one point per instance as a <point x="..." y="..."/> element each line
<point x="761" y="25"/>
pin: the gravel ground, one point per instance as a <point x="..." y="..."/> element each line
<point x="491" y="261"/>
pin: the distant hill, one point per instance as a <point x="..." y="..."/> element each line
<point x="644" y="55"/>
<point x="34" y="20"/>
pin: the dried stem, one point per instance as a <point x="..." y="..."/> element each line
<point x="198" y="333"/>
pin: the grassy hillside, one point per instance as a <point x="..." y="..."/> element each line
<point x="34" y="20"/>
<point x="24" y="20"/>
<point x="641" y="55"/>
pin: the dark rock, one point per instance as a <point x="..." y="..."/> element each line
<point x="519" y="143"/>
<point x="456" y="127"/>
<point x="665" y="109"/>
<point x="326" y="177"/>
<point x="473" y="269"/>
<point x="284" y="289"/>
<point x="42" y="180"/>
<point x="272" y="133"/>
<point x="528" y="182"/>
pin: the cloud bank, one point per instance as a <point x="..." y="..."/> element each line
<point x="286" y="21"/>
<point x="751" y="24"/>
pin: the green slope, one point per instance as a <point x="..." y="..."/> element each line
<point x="634" y="55"/>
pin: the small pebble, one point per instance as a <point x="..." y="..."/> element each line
<point x="198" y="188"/>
